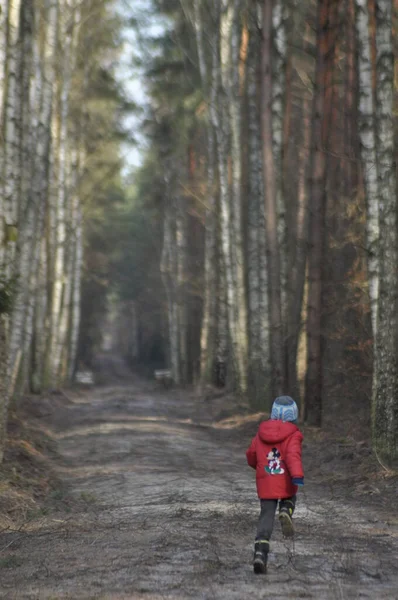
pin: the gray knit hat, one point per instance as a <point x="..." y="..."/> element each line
<point x="284" y="408"/>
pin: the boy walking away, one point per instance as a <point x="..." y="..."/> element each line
<point x="275" y="453"/>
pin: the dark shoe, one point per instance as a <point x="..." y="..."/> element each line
<point x="261" y="549"/>
<point x="285" y="518"/>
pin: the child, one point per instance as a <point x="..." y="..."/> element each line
<point x="275" y="453"/>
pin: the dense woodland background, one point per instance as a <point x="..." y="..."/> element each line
<point x="256" y="246"/>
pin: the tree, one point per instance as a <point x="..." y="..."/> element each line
<point x="46" y="146"/>
<point x="368" y="153"/>
<point x="270" y="194"/>
<point x="385" y="424"/>
<point x="257" y="273"/>
<point x="320" y="130"/>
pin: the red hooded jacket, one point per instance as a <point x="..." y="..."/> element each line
<point x="275" y="453"/>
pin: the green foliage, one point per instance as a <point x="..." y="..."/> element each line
<point x="98" y="107"/>
<point x="124" y="218"/>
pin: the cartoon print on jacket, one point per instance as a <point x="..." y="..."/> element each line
<point x="274" y="462"/>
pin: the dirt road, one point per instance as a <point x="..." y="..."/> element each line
<point x="167" y="509"/>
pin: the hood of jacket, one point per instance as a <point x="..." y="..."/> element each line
<point x="274" y="431"/>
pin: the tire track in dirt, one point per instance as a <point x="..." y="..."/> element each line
<point x="168" y="510"/>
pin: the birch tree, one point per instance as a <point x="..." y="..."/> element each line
<point x="42" y="175"/>
<point x="278" y="86"/>
<point x="29" y="89"/>
<point x="209" y="87"/>
<point x="3" y="231"/>
<point x="169" y="274"/>
<point x="61" y="274"/>
<point x="11" y="164"/>
<point x="227" y="123"/>
<point x="3" y="54"/>
<point x="385" y="385"/>
<point x="368" y="153"/>
<point x="42" y="160"/>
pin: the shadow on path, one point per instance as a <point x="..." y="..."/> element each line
<point x="169" y="510"/>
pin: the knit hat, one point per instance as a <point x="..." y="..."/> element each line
<point x="285" y="409"/>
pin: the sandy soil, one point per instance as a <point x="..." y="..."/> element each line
<point x="165" y="507"/>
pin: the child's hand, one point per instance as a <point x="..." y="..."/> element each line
<point x="298" y="481"/>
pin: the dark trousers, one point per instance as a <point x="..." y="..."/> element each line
<point x="265" y="524"/>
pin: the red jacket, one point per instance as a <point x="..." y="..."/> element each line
<point x="275" y="453"/>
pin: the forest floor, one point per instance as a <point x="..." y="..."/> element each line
<point x="147" y="495"/>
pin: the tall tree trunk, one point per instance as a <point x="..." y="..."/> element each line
<point x="259" y="350"/>
<point x="39" y="324"/>
<point x="222" y="334"/>
<point x="368" y="154"/>
<point x="270" y="194"/>
<point x="234" y="96"/>
<point x="278" y="85"/>
<point x="385" y="387"/>
<point x="77" y="225"/>
<point x="3" y="382"/>
<point x="298" y="254"/>
<point x="3" y="235"/>
<point x="209" y="324"/>
<point x="3" y="85"/>
<point x="27" y="237"/>
<point x="61" y="282"/>
<point x="11" y="164"/>
<point x="226" y="122"/>
<point x="209" y="86"/>
<point x="10" y="177"/>
<point x="41" y="176"/>
<point x="313" y="384"/>
<point x="181" y="250"/>
<point x="169" y="275"/>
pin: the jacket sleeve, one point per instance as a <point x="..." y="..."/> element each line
<point x="293" y="455"/>
<point x="251" y="454"/>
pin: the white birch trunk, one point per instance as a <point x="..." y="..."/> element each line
<point x="11" y="164"/>
<point x="235" y="103"/>
<point x="181" y="250"/>
<point x="222" y="333"/>
<point x="278" y="94"/>
<point x="62" y="347"/>
<point x="209" y="86"/>
<point x="3" y="383"/>
<point x="26" y="213"/>
<point x="39" y="323"/>
<point x="9" y="56"/>
<point x="42" y="174"/>
<point x="368" y="153"/>
<point x="3" y="55"/>
<point x="76" y="286"/>
<point x="62" y="283"/>
<point x="169" y="274"/>
<point x="3" y="71"/>
<point x="34" y="187"/>
<point x="226" y="122"/>
<point x="208" y="333"/>
<point x="385" y="385"/>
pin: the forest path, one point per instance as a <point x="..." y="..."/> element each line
<point x="169" y="511"/>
